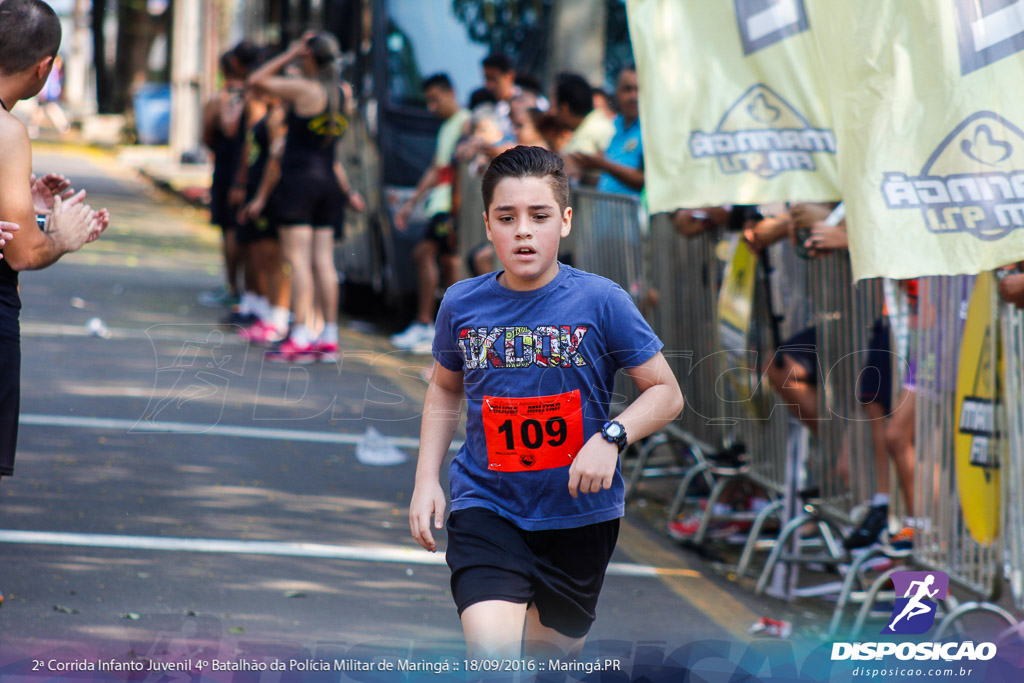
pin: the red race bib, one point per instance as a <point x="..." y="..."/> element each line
<point x="535" y="433"/>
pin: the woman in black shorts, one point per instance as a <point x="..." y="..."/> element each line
<point x="310" y="197"/>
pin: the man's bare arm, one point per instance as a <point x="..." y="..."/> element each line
<point x="72" y="222"/>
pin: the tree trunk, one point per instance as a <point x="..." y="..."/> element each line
<point x="134" y="37"/>
<point x="578" y="39"/>
<point x="104" y="84"/>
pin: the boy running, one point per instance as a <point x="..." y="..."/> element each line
<point x="536" y="490"/>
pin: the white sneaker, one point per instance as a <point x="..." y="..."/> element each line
<point x="414" y="335"/>
<point x="424" y="348"/>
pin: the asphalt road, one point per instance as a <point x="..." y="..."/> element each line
<point x="172" y="429"/>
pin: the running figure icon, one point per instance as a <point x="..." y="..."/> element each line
<point x="914" y="606"/>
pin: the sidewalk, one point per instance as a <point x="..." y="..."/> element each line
<point x="189" y="181"/>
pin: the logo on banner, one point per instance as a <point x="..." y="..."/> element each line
<point x="762" y="134"/>
<point x="988" y="30"/>
<point x="914" y="612"/>
<point x="766" y="22"/>
<point x="973" y="183"/>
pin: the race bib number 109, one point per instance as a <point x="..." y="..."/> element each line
<point x="535" y="433"/>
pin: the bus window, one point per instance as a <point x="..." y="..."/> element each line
<point x="424" y="38"/>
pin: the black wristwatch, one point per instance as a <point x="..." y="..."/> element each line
<point x="614" y="432"/>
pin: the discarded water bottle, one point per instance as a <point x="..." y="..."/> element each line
<point x="97" y="328"/>
<point x="375" y="449"/>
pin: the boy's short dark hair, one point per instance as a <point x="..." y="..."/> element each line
<point x="29" y="33"/>
<point x="527" y="162"/>
<point x="438" y="80"/>
<point x="574" y="91"/>
<point x="499" y="61"/>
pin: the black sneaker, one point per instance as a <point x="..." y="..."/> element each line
<point x="874" y="522"/>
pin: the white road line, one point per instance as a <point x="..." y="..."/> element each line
<point x="42" y="329"/>
<point x="157" y="427"/>
<point x="392" y="554"/>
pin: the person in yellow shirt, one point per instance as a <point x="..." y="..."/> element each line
<point x="591" y="129"/>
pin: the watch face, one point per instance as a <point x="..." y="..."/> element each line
<point x="613" y="430"/>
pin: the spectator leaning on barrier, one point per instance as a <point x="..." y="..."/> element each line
<point x="622" y="164"/>
<point x="439" y="242"/>
<point x="591" y="129"/>
<point x="29" y="38"/>
<point x="795" y="375"/>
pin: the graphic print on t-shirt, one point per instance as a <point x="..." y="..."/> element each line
<point x="515" y="347"/>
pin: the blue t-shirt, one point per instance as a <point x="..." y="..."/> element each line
<point x="626" y="148"/>
<point x="563" y="342"/>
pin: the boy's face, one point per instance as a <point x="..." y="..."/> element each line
<point x="525" y="224"/>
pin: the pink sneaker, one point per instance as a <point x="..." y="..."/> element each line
<point x="263" y="334"/>
<point x="290" y="352"/>
<point x="326" y="352"/>
<point x="252" y="331"/>
<point x="774" y="628"/>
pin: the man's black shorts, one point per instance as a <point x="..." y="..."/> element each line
<point x="874" y="385"/>
<point x="561" y="571"/>
<point x="10" y="386"/>
<point x="441" y="231"/>
<point x="802" y="348"/>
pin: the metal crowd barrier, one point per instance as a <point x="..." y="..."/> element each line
<point x="942" y="541"/>
<point x="844" y="316"/>
<point x="840" y="471"/>
<point x="609" y="231"/>
<point x="762" y="426"/>
<point x="684" y="277"/>
<point x="610" y="234"/>
<point x="469" y="223"/>
<point x="1013" y="473"/>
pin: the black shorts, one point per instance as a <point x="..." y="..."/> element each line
<point x="874" y="384"/>
<point x="802" y="348"/>
<point x="441" y="230"/>
<point x="10" y="387"/>
<point x="303" y="199"/>
<point x="222" y="213"/>
<point x="263" y="228"/>
<point x="561" y="571"/>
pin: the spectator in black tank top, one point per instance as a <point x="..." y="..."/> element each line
<point x="310" y="197"/>
<point x="224" y="135"/>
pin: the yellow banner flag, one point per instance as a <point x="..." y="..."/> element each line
<point x="732" y="103"/>
<point x="928" y="102"/>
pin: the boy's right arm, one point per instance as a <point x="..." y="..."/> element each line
<point x="442" y="410"/>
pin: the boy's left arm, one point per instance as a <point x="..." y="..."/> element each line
<point x="660" y="401"/>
